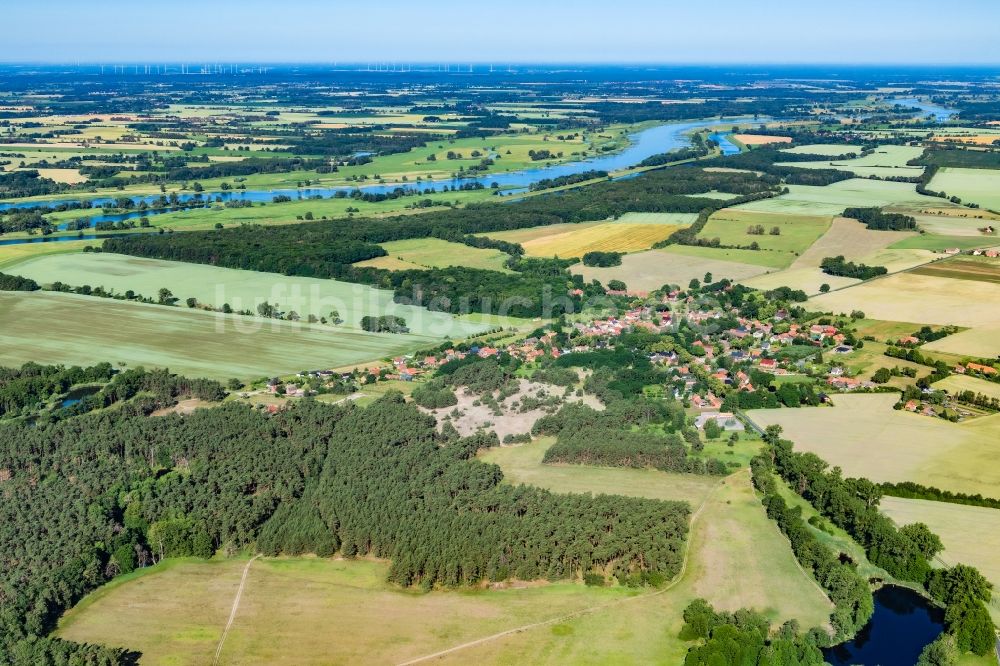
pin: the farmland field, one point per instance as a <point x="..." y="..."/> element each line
<point x="578" y="239"/>
<point x="797" y="232"/>
<point x="957" y="383"/>
<point x="937" y="243"/>
<point x="11" y="255"/>
<point x="216" y="286"/>
<point x="437" y="253"/>
<point x="928" y="300"/>
<point x="866" y="437"/>
<point x="763" y="260"/>
<point x="978" y="269"/>
<point x="47" y="327"/>
<point x="831" y="149"/>
<point x="833" y="199"/>
<point x="981" y="186"/>
<point x="645" y="271"/>
<point x="886" y="162"/>
<point x="760" y="139"/>
<point x="659" y="218"/>
<point x="971" y="534"/>
<point x="845" y="237"/>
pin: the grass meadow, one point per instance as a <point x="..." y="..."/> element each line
<point x="55" y="328"/>
<point x="866" y="437"/>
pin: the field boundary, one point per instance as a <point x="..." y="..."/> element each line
<point x="232" y="612"/>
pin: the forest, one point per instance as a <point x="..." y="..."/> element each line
<point x="876" y="219"/>
<point x="124" y="490"/>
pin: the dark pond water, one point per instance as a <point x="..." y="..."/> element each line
<point x="78" y="394"/>
<point x="658" y="139"/>
<point x="903" y="623"/>
<point x="55" y="239"/>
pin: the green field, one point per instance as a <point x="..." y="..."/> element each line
<point x="797" y="232"/>
<point x="866" y="437"/>
<point x="937" y="243"/>
<point x="833" y="199"/>
<point x="981" y="186"/>
<point x="241" y="289"/>
<point x="886" y="162"/>
<point x="831" y="149"/>
<point x="659" y="218"/>
<point x="437" y="253"/>
<point x="289" y="606"/>
<point x="764" y="260"/>
<point x="11" y="255"/>
<point x="47" y="327"/>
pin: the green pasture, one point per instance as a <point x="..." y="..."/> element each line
<point x="55" y="328"/>
<point x="241" y="289"/>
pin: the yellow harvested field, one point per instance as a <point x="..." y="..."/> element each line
<point x="807" y="279"/>
<point x="973" y="139"/>
<point x="970" y="534"/>
<point x="606" y="237"/>
<point x="866" y="437"/>
<point x="957" y="383"/>
<point x="70" y="176"/>
<point x="850" y="238"/>
<point x="534" y="233"/>
<point x="847" y="237"/>
<point x="928" y="299"/>
<point x="760" y="139"/>
<point x="645" y="271"/>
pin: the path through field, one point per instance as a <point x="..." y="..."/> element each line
<point x="232" y="613"/>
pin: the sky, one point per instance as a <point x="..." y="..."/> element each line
<point x="502" y="31"/>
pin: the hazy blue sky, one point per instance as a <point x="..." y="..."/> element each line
<point x="669" y="31"/>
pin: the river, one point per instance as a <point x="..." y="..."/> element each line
<point x="941" y="114"/>
<point x="651" y="141"/>
<point x="902" y="625"/>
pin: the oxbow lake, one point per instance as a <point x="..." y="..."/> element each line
<point x="902" y="625"/>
